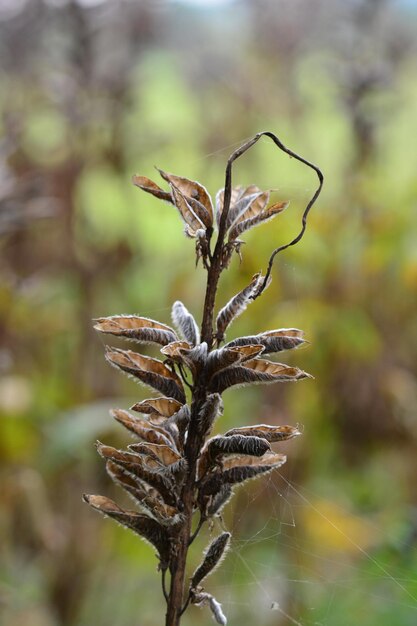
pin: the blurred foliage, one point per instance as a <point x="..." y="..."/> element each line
<point x="94" y="91"/>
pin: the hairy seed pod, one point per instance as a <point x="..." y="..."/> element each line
<point x="213" y="556"/>
<point x="185" y="323"/>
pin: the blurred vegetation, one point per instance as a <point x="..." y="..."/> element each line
<point x="94" y="91"/>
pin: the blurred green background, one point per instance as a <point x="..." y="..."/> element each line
<point x="94" y="91"/>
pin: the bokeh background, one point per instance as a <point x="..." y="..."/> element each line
<point x="94" y="91"/>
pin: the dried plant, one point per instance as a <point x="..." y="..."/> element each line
<point x="176" y="469"/>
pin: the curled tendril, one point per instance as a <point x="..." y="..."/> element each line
<point x="228" y="193"/>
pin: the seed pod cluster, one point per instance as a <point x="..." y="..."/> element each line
<point x="175" y="468"/>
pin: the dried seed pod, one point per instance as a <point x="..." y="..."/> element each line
<point x="145" y="496"/>
<point x="213" y="556"/>
<point x="255" y="371"/>
<point x="146" y="184"/>
<point x="195" y="193"/>
<point x="180" y="420"/>
<point x="202" y="598"/>
<point x="176" y="349"/>
<point x="142" y="428"/>
<point x="182" y="352"/>
<point x="165" y="407"/>
<point x="164" y="453"/>
<point x="268" y="459"/>
<point x="135" y="464"/>
<point x="218" y="501"/>
<point x="238" y="195"/>
<point x="238" y="469"/>
<point x="266" y="431"/>
<point x="193" y="224"/>
<point x="212" y="408"/>
<point x="185" y="323"/>
<point x="272" y="340"/>
<point x="149" y="371"/>
<point x="267" y="214"/>
<point x="224" y="357"/>
<point x="236" y="305"/>
<point x="143" y="525"/>
<point x="237" y="444"/>
<point x="252" y="203"/>
<point x="140" y="329"/>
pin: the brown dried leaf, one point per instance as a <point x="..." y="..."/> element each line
<point x="147" y="528"/>
<point x="266" y="431"/>
<point x="213" y="556"/>
<point x="272" y="340"/>
<point x="194" y="192"/>
<point x="242" y="226"/>
<point x="139" y="329"/>
<point x="236" y="305"/>
<point x="185" y="323"/>
<point x="149" y="371"/>
<point x="146" y="184"/>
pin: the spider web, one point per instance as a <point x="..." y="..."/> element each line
<point x="266" y="572"/>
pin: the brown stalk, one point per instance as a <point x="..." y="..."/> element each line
<point x="195" y="439"/>
<point x="176" y="471"/>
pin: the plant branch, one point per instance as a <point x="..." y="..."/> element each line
<point x="216" y="266"/>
